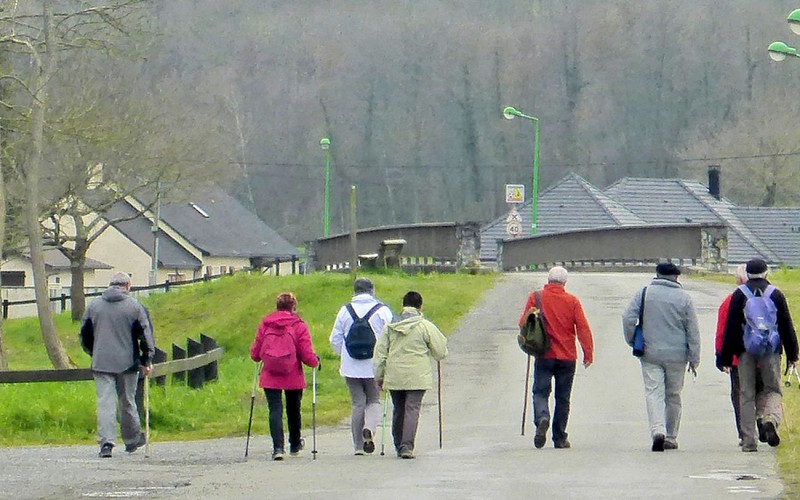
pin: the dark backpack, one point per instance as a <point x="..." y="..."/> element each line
<point x="761" y="322"/>
<point x="360" y="339"/>
<point x="278" y="351"/>
<point x="533" y="338"/>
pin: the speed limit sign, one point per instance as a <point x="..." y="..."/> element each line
<point x="514" y="228"/>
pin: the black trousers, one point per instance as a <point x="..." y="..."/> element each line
<point x="275" y="403"/>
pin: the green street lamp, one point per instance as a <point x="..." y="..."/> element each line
<point x="325" y="145"/>
<point x="509" y="113"/>
<point x="779" y="50"/>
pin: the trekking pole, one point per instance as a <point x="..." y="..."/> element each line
<point x="383" y="427"/>
<point x="314" y="414"/>
<point x="439" y="371"/>
<point x="525" y="396"/>
<point x="252" y="404"/>
<point x="146" y="416"/>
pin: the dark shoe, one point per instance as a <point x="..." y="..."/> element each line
<point x="658" y="442"/>
<point x="749" y="448"/>
<point x="130" y="448"/>
<point x="405" y="453"/>
<point x="541" y="433"/>
<point x="760" y="426"/>
<point x="369" y="444"/>
<point x="670" y="444"/>
<point x="296" y="451"/>
<point x="564" y="443"/>
<point x="771" y="434"/>
<point x="105" y="450"/>
<point x="277" y="454"/>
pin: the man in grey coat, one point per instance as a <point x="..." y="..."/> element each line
<point x="116" y="332"/>
<point x="672" y="339"/>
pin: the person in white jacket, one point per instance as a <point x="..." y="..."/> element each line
<point x="359" y="374"/>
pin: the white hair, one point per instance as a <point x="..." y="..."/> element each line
<point x="557" y="275"/>
<point x="741" y="273"/>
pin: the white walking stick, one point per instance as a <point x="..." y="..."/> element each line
<point x="147" y="415"/>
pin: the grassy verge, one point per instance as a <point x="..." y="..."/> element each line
<point x="228" y="310"/>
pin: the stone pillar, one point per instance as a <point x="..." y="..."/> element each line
<point x="311" y="256"/>
<point x="714" y="248"/>
<point x="469" y="248"/>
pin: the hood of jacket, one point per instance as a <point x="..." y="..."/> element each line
<point x="409" y="317"/>
<point x="115" y="294"/>
<point x="282" y="319"/>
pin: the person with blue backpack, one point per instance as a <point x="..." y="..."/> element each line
<point x="355" y="332"/>
<point x="759" y="325"/>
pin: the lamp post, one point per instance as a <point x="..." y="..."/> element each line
<point x="325" y="145"/>
<point x="509" y="113"/>
<point x="779" y="50"/>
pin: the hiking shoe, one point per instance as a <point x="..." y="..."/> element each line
<point x="658" y="442"/>
<point x="760" y="426"/>
<point x="541" y="433"/>
<point x="277" y="454"/>
<point x="359" y="453"/>
<point x="563" y="443"/>
<point x="130" y="448"/>
<point x="749" y="448"/>
<point x="405" y="453"/>
<point x="771" y="434"/>
<point x="369" y="444"/>
<point x="105" y="450"/>
<point x="296" y="451"/>
<point x="670" y="444"/>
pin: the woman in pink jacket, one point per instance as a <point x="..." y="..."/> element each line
<point x="282" y="343"/>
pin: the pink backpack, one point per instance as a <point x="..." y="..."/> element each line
<point x="278" y="351"/>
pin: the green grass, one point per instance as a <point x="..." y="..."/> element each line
<point x="229" y="310"/>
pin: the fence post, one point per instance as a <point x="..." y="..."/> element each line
<point x="196" y="377"/>
<point x="210" y="369"/>
<point x="277" y="267"/>
<point x="63" y="302"/>
<point x="159" y="357"/>
<point x="294" y="264"/>
<point x="5" y="308"/>
<point x="166" y="286"/>
<point x="178" y="353"/>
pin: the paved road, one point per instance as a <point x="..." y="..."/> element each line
<point x="484" y="455"/>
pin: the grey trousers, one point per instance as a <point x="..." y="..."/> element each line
<point x="365" y="401"/>
<point x="769" y="398"/>
<point x="663" y="383"/>
<point x="112" y="388"/>
<point x="405" y="418"/>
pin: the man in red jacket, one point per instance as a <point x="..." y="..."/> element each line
<point x="564" y="321"/>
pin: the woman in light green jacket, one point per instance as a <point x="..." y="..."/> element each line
<point x="403" y="367"/>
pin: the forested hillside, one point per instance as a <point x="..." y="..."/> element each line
<point x="411" y="94"/>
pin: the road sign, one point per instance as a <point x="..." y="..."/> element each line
<point x="514" y="228"/>
<point x="515" y="193"/>
<point x="514" y="215"/>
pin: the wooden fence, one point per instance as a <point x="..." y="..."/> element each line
<point x="195" y="366"/>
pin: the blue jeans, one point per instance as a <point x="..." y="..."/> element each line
<point x="544" y="370"/>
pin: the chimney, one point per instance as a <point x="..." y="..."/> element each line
<point x="713" y="181"/>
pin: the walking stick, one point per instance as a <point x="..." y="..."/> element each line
<point x="439" y="370"/>
<point x="383" y="427"/>
<point x="525" y="396"/>
<point x="147" y="416"/>
<point x="314" y="414"/>
<point x="252" y="404"/>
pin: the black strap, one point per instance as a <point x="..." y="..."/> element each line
<point x="641" y="308"/>
<point x="366" y="316"/>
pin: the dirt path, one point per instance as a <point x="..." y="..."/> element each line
<point x="484" y="455"/>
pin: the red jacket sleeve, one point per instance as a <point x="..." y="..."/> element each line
<point x="530" y="303"/>
<point x="584" y="333"/>
<point x="722" y="318"/>
<point x="255" y="349"/>
<point x="304" y="347"/>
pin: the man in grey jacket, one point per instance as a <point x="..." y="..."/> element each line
<point x="672" y="339"/>
<point x="116" y="332"/>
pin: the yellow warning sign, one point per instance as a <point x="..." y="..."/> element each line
<point x="515" y="193"/>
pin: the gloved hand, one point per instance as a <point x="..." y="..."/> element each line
<point x="718" y="363"/>
<point x="319" y="363"/>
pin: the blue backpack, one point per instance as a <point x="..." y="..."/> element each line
<point x="360" y="339"/>
<point x="761" y="322"/>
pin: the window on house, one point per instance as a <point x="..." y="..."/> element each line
<point x="12" y="278"/>
<point x="176" y="277"/>
<point x="223" y="269"/>
<point x="209" y="271"/>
